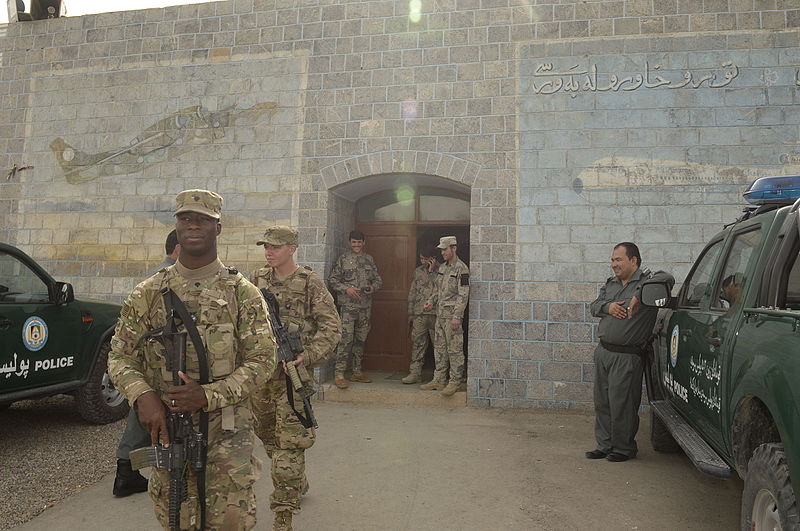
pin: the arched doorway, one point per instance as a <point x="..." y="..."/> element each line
<point x="399" y="221"/>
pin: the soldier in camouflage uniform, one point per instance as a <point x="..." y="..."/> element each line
<point x="354" y="278"/>
<point x="233" y="323"/>
<point x="421" y="321"/>
<point x="450" y="301"/>
<point x="308" y="306"/>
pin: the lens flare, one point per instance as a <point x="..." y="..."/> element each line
<point x="415" y="11"/>
<point x="409" y="110"/>
<point x="404" y="194"/>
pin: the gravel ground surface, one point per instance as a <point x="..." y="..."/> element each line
<point x="47" y="453"/>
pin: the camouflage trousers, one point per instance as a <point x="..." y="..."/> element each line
<point x="448" y="346"/>
<point x="423" y="327"/>
<point x="355" y="327"/>
<point x="231" y="470"/>
<point x="285" y="440"/>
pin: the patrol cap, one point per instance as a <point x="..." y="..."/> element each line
<point x="446" y="241"/>
<point x="200" y="201"/>
<point x="278" y="235"/>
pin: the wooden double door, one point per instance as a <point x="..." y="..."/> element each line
<point x="395" y="247"/>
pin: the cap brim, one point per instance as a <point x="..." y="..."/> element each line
<point x="198" y="211"/>
<point x="263" y="242"/>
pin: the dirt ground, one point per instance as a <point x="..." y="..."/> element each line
<point x="398" y="467"/>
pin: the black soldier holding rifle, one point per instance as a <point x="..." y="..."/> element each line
<point x="234" y="330"/>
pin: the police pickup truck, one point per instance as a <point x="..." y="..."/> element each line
<point x="724" y="382"/>
<point x="51" y="343"/>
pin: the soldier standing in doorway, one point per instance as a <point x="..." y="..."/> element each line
<point x="355" y="279"/>
<point x="421" y="322"/>
<point x="450" y="301"/>
<point x="305" y="304"/>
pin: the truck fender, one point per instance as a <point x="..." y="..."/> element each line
<point x="105" y="336"/>
<point x="752" y="426"/>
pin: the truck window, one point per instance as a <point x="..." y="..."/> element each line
<point x="18" y="283"/>
<point x="793" y="286"/>
<point x="699" y="281"/>
<point x="732" y="280"/>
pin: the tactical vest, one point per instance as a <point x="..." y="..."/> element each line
<point x="294" y="298"/>
<point x="216" y="311"/>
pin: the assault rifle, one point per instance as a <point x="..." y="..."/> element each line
<point x="187" y="447"/>
<point x="289" y="347"/>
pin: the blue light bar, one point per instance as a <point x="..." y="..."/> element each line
<point x="785" y="188"/>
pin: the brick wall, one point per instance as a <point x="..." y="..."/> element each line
<point x="281" y="105"/>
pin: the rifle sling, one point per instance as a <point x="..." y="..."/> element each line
<point x="305" y="421"/>
<point x="275" y="318"/>
<point x="173" y="302"/>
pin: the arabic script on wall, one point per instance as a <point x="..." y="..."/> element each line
<point x="547" y="80"/>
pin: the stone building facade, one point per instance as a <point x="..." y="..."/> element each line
<point x="572" y="125"/>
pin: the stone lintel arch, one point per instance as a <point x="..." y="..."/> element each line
<point x="423" y="162"/>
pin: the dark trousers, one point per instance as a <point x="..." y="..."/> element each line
<point x="617" y="395"/>
<point x="134" y="436"/>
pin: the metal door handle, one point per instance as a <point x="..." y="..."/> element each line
<point x="714" y="341"/>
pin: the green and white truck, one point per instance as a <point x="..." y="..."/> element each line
<point x="52" y="343"/>
<point x="724" y="379"/>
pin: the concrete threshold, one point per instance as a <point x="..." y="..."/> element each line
<point x="387" y="389"/>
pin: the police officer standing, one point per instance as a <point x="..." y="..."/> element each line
<point x="450" y="301"/>
<point x="307" y="306"/>
<point x="625" y="327"/>
<point x="233" y="326"/>
<point x="422" y="322"/>
<point x="355" y="279"/>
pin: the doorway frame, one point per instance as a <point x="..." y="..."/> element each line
<point x="493" y="204"/>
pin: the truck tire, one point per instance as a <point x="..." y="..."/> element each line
<point x="768" y="500"/>
<point x="660" y="437"/>
<point x="98" y="401"/>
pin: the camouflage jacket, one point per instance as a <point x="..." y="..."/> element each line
<point x="452" y="294"/>
<point x="232" y="321"/>
<point x="306" y="303"/>
<point x="354" y="271"/>
<point x="423" y="286"/>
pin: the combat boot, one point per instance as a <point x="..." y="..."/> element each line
<point x="360" y="377"/>
<point x="433" y="385"/>
<point x="283" y="521"/>
<point x="128" y="481"/>
<point x="340" y="382"/>
<point x="412" y="378"/>
<point x="450" y="390"/>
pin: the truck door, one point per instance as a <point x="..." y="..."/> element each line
<point x="687" y="327"/>
<point x="39" y="340"/>
<point x="702" y="335"/>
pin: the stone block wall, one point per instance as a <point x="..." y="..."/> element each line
<point x="537" y="107"/>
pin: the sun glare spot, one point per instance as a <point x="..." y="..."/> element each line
<point x="415" y="10"/>
<point x="404" y="194"/>
<point x="409" y="110"/>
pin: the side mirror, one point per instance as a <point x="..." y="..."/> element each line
<point x="64" y="293"/>
<point x="656" y="294"/>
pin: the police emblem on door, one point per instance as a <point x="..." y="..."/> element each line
<point x="673" y="345"/>
<point x="34" y="333"/>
